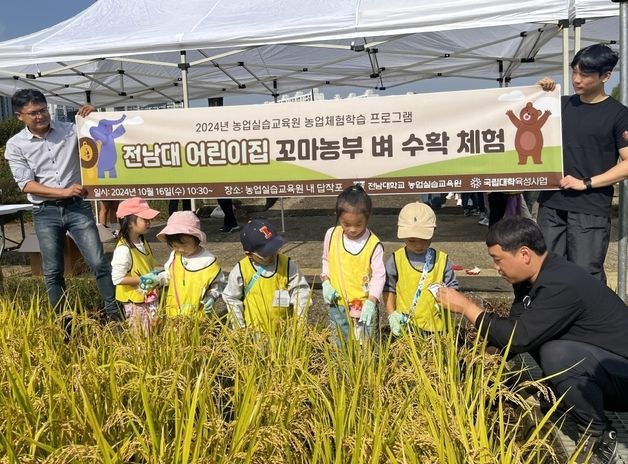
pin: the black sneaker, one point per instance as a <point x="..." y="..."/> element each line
<point x="603" y="449"/>
<point x="229" y="229"/>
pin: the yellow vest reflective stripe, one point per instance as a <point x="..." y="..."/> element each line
<point x="187" y="288"/>
<point x="141" y="263"/>
<point x="259" y="311"/>
<point x="350" y="274"/>
<point x="428" y="315"/>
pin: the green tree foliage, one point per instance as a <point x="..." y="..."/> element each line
<point x="10" y="191"/>
<point x="8" y="128"/>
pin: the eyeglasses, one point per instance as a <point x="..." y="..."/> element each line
<point x="34" y="114"/>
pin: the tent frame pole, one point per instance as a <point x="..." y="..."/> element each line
<point x="622" y="245"/>
<point x="184" y="66"/>
<point x="566" y="57"/>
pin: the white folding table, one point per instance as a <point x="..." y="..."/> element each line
<point x="7" y="243"/>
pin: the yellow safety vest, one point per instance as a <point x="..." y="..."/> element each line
<point x="187" y="288"/>
<point x="428" y="315"/>
<point x="141" y="263"/>
<point x="259" y="311"/>
<point x="350" y="273"/>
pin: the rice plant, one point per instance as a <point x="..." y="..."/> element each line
<point x="196" y="391"/>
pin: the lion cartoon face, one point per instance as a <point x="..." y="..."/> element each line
<point x="529" y="114"/>
<point x="88" y="151"/>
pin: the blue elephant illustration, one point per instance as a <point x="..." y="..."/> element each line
<point x="105" y="133"/>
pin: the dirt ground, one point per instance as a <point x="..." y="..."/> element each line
<point x="304" y="222"/>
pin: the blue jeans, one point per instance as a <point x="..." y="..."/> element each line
<point x="51" y="224"/>
<point x="341" y="324"/>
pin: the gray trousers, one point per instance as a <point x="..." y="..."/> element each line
<point x="580" y="238"/>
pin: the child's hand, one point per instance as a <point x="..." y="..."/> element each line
<point x="164" y="278"/>
<point x="368" y="313"/>
<point x="208" y="306"/>
<point x="329" y="293"/>
<point x="149" y="281"/>
<point x="396" y="322"/>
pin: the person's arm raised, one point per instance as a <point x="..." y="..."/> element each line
<point x="547" y="84"/>
<point x="456" y="302"/>
<point x="86" y="110"/>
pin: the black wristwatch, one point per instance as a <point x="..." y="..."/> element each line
<point x="587" y="183"/>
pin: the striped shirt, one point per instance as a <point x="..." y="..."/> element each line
<point x="52" y="160"/>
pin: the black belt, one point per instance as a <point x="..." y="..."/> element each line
<point x="61" y="201"/>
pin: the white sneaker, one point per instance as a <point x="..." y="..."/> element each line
<point x="450" y="195"/>
<point x="217" y="212"/>
<point x="483" y="221"/>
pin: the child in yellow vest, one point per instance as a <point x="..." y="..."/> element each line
<point x="412" y="269"/>
<point x="192" y="274"/>
<point x="353" y="268"/>
<point x="133" y="258"/>
<point x="265" y="285"/>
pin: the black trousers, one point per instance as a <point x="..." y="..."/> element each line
<point x="226" y="204"/>
<point x="497" y="202"/>
<point x="173" y="205"/>
<point x="579" y="237"/>
<point x="594" y="380"/>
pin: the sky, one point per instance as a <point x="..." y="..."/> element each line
<point x="16" y="22"/>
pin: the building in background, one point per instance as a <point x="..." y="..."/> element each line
<point x="6" y="109"/>
<point x="154" y="106"/>
<point x="316" y="95"/>
<point x="62" y="112"/>
<point x="301" y="96"/>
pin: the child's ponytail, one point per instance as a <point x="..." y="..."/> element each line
<point x="354" y="199"/>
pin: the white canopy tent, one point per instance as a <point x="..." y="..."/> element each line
<point x="118" y="52"/>
<point x="151" y="51"/>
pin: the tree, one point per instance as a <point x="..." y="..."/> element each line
<point x="10" y="191"/>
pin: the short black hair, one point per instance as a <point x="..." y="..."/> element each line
<point x="179" y="239"/>
<point x="596" y="58"/>
<point x="513" y="232"/>
<point x="23" y="97"/>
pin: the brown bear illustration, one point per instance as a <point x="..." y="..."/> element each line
<point x="529" y="138"/>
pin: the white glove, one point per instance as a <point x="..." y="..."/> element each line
<point x="329" y="293"/>
<point x="369" y="312"/>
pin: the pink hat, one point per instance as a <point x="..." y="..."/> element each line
<point x="183" y="222"/>
<point x="137" y="206"/>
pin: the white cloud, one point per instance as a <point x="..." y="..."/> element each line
<point x="514" y="96"/>
<point x="133" y="121"/>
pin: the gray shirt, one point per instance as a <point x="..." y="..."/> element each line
<point x="417" y="260"/>
<point x="233" y="293"/>
<point x="52" y="160"/>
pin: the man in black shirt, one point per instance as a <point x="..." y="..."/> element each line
<point x="576" y="219"/>
<point x="570" y="322"/>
